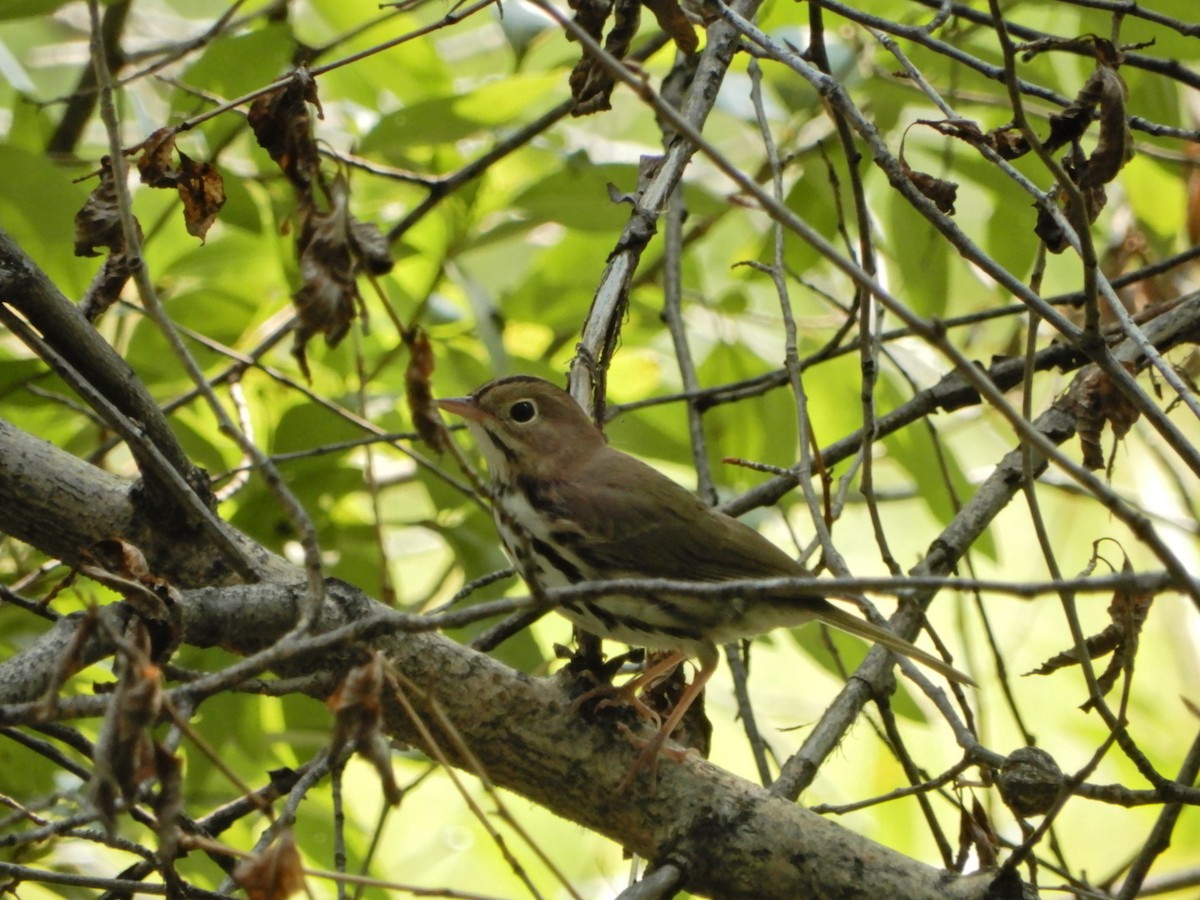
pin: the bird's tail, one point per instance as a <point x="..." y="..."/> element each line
<point x="852" y="624"/>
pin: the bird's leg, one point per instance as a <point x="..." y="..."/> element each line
<point x="651" y="748"/>
<point x="627" y="693"/>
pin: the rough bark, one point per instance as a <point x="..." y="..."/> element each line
<point x="733" y="839"/>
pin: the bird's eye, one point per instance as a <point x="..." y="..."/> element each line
<point x="523" y="412"/>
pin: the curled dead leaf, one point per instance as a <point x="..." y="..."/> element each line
<point x="1095" y="400"/>
<point x="1127" y="615"/>
<point x="419" y="391"/>
<point x="328" y="294"/>
<point x="674" y="22"/>
<point x="274" y="874"/>
<point x="943" y="193"/>
<point x="155" y="165"/>
<point x="121" y="566"/>
<point x="975" y="830"/>
<point x="357" y="704"/>
<point x="202" y="191"/>
<point x="282" y="124"/>
<point x="370" y="247"/>
<point x="590" y="82"/>
<point x="98" y="222"/>
<point x="1006" y="140"/>
<point x="199" y="184"/>
<point x="1114" y="148"/>
<point x="124" y="755"/>
<point x="333" y="248"/>
<point x="1102" y="96"/>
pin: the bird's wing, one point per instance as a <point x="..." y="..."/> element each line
<point x="642" y="524"/>
<point x="636" y="513"/>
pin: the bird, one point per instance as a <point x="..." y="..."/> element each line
<point x="570" y="508"/>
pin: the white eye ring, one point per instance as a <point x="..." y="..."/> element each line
<point x="523" y="412"/>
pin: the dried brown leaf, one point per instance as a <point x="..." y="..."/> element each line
<point x="590" y="15"/>
<point x="1008" y="142"/>
<point x="124" y="755"/>
<point x="1095" y="197"/>
<point x="1106" y="90"/>
<point x="943" y="193"/>
<point x="127" y="571"/>
<point x="200" y="186"/>
<point x="1096" y="645"/>
<point x="328" y="294"/>
<point x="1120" y="637"/>
<point x="202" y="191"/>
<point x="1107" y="679"/>
<point x="119" y="557"/>
<point x="591" y="86"/>
<point x="1094" y="399"/>
<point x="105" y="290"/>
<point x="333" y="248"/>
<point x="1114" y="148"/>
<point x="282" y="124"/>
<point x="1127" y="609"/>
<point x="627" y="16"/>
<point x="357" y="704"/>
<point x="274" y="874"/>
<point x="673" y="21"/>
<point x="155" y="165"/>
<point x="1069" y="125"/>
<point x="1005" y="140"/>
<point x="1050" y="232"/>
<point x="371" y="247"/>
<point x="419" y="392"/>
<point x="591" y="83"/>
<point x="98" y="223"/>
<point x="978" y="832"/>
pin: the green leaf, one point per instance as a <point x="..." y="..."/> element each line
<point x="918" y="254"/>
<point x="913" y="448"/>
<point x="852" y="651"/>
<point x="453" y="117"/>
<point x="38" y="203"/>
<point x="576" y="196"/>
<point x="24" y="9"/>
<point x="1157" y="196"/>
<point x="236" y="64"/>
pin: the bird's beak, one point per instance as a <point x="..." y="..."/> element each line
<point x="462" y="406"/>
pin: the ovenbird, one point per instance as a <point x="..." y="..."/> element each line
<point x="569" y="508"/>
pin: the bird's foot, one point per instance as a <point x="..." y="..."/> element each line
<point x="606" y="695"/>
<point x="651" y="749"/>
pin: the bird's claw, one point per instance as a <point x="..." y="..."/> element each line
<point x="611" y="695"/>
<point x="648" y="758"/>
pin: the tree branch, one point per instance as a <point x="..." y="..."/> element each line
<point x="732" y="838"/>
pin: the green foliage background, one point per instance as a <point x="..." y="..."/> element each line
<point x="501" y="272"/>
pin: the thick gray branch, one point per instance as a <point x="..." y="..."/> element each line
<point x="74" y="342"/>
<point x="62" y="505"/>
<point x="733" y="839"/>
